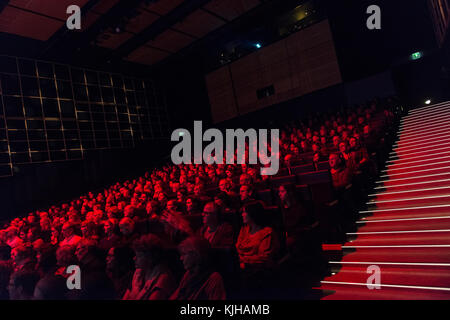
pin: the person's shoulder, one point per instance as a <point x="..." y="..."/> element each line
<point x="215" y="276"/>
<point x="226" y="226"/>
<point x="165" y="278"/>
<point x="266" y="231"/>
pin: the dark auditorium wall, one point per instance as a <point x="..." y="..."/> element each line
<point x="185" y="89"/>
<point x="362" y="52"/>
<point x="37" y="186"/>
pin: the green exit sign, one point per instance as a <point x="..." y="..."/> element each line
<point x="416" y="55"/>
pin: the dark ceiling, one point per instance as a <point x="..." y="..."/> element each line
<point x="139" y="31"/>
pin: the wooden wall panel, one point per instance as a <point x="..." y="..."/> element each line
<point x="221" y="96"/>
<point x="300" y="64"/>
<point x="247" y="78"/>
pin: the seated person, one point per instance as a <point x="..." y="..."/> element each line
<point x="176" y="226"/>
<point x="51" y="287"/>
<point x="359" y="153"/>
<point x="200" y="194"/>
<point x="95" y="283"/>
<point x="65" y="256"/>
<point x="111" y="236"/>
<point x="256" y="245"/>
<point x="317" y="158"/>
<point x="199" y="282"/>
<point x="347" y="156"/>
<point x="24" y="258"/>
<point x="152" y="279"/>
<point x="246" y="194"/>
<point x="245" y="179"/>
<point x="192" y="206"/>
<point x="297" y="220"/>
<point x="120" y="268"/>
<point x="217" y="232"/>
<point x="5" y="272"/>
<point x="89" y="230"/>
<point x="22" y="284"/>
<point x="127" y="230"/>
<point x="340" y="174"/>
<point x="69" y="236"/>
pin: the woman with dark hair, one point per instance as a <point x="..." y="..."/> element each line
<point x="359" y="153"/>
<point x="192" y="206"/>
<point x="256" y="244"/>
<point x="317" y="158"/>
<point x="298" y="221"/>
<point x="152" y="280"/>
<point x="120" y="267"/>
<point x="199" y="282"/>
<point x="112" y="234"/>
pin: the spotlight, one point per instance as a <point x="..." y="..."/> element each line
<point x="258" y="45"/>
<point x="428" y="102"/>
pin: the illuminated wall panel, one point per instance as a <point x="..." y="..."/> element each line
<point x="54" y="112"/>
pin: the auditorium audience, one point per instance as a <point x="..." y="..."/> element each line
<point x="99" y="231"/>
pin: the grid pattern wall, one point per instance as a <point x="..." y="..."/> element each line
<point x="54" y="112"/>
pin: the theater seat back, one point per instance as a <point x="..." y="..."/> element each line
<point x="314" y="177"/>
<point x="278" y="181"/>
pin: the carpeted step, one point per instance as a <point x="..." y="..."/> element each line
<point x="412" y="143"/>
<point x="425" y="210"/>
<point x="402" y="238"/>
<point x="433" y="200"/>
<point x="414" y="180"/>
<point x="411" y="193"/>
<point x="404" y="225"/>
<point x="393" y="159"/>
<point x="421" y="130"/>
<point x="405" y="215"/>
<point x="414" y="152"/>
<point x="396" y="275"/>
<point x="361" y="292"/>
<point x="418" y="172"/>
<point x="420" y="161"/>
<point x="436" y="182"/>
<point x="398" y="254"/>
<point x="424" y="165"/>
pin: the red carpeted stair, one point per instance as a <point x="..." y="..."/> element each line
<point x="406" y="229"/>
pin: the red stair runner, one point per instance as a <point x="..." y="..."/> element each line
<point x="406" y="229"/>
